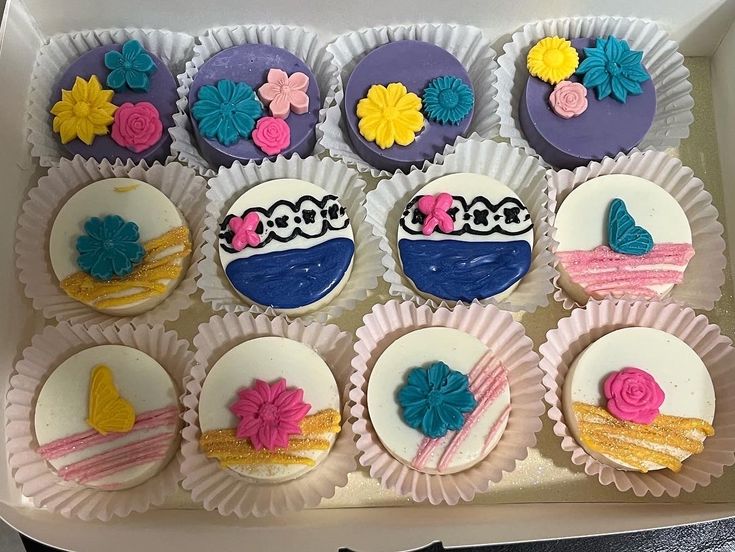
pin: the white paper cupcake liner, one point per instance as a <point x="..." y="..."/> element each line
<point x="705" y="273"/>
<point x="520" y="172"/>
<point x="334" y="177"/>
<point x="63" y="49"/>
<point x="661" y="58"/>
<point x="180" y="184"/>
<point x="599" y="318"/>
<point x="300" y="42"/>
<point x="203" y="476"/>
<point x="466" y="43"/>
<point x="507" y="339"/>
<point x="31" y="472"/>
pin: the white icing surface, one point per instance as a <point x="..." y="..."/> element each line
<point x="469" y="186"/>
<point x="62" y="406"/>
<point x="269" y="359"/>
<point x="677" y="369"/>
<point x="265" y="195"/>
<point x="144" y="205"/>
<point x="460" y="351"/>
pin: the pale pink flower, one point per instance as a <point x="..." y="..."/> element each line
<point x="283" y="93"/>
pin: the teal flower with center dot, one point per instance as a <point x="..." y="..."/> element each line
<point x="109" y="248"/>
<point x="435" y="399"/>
<point x="132" y="67"/>
<point x="226" y="111"/>
<point x="447" y="100"/>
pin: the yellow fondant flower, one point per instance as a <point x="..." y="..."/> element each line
<point x="552" y="59"/>
<point x="390" y="115"/>
<point x="84" y="111"/>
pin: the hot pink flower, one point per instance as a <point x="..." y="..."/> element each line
<point x="283" y="93"/>
<point x="633" y="395"/>
<point x="568" y="99"/>
<point x="435" y="208"/>
<point x="269" y="414"/>
<point x="244" y="229"/>
<point x="137" y="127"/>
<point x="271" y="135"/>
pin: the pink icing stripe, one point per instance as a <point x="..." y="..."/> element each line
<point x="635" y="277"/>
<point x="603" y="257"/>
<point x="496" y="427"/>
<point x="146" y="457"/>
<point x="80" y="441"/>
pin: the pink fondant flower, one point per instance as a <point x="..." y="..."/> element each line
<point x="283" y="93"/>
<point x="271" y="135"/>
<point x="245" y="231"/>
<point x="269" y="414"/>
<point x="435" y="208"/>
<point x="568" y="99"/>
<point x="137" y="127"/>
<point x="633" y="395"/>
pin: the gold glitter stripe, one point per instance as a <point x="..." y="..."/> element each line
<point x="218" y="445"/>
<point x="626" y="441"/>
<point x="128" y="188"/>
<point x="145" y="281"/>
<point x="264" y="458"/>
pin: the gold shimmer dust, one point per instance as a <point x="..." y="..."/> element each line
<point x="128" y="188"/>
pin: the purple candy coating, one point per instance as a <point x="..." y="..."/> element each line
<point x="250" y="63"/>
<point x="606" y="128"/>
<point x="161" y="93"/>
<point x="414" y="64"/>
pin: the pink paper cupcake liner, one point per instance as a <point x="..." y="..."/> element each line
<point x="496" y="329"/>
<point x="31" y="472"/>
<point x="599" y="318"/>
<point x="203" y="476"/>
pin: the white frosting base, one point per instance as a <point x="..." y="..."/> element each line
<point x="266" y="194"/>
<point x="269" y="359"/>
<point x="677" y="369"/>
<point x="581" y="220"/>
<point x="144" y="205"/>
<point x="62" y="406"/>
<point x="469" y="186"/>
<point x="460" y="351"/>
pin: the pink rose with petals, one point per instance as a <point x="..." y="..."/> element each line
<point x="568" y="99"/>
<point x="271" y="135"/>
<point x="283" y="93"/>
<point x="435" y="208"/>
<point x="137" y="127"/>
<point x="633" y="395"/>
<point x="269" y="414"/>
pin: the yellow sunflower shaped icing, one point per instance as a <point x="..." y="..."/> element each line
<point x="108" y="411"/>
<point x="84" y="111"/>
<point x="552" y="59"/>
<point x="390" y="115"/>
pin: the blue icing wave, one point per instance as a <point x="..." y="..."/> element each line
<point x="462" y="270"/>
<point x="293" y="278"/>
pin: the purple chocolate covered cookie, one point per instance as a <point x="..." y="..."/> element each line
<point x="569" y="128"/>
<point x="404" y="102"/>
<point x="253" y="102"/>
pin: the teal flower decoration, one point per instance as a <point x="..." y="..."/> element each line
<point x="447" y="100"/>
<point x="435" y="399"/>
<point x="132" y="67"/>
<point x="226" y="111"/>
<point x="109" y="248"/>
<point x="613" y="69"/>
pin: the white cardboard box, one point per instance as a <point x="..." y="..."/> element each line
<point x="703" y="28"/>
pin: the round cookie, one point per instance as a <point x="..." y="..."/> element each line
<point x="620" y="235"/>
<point x="414" y="64"/>
<point x="107" y="418"/>
<point x="251" y="64"/>
<point x="119" y="246"/>
<point x="269" y="410"/>
<point x="440" y="374"/>
<point x="639" y="399"/>
<point x="287" y="244"/>
<point x="464" y="237"/>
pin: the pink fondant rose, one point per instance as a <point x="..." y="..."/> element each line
<point x="633" y="395"/>
<point x="137" y="127"/>
<point x="272" y="135"/>
<point x="568" y="99"/>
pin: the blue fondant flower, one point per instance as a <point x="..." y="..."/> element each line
<point x="435" y="399"/>
<point x="447" y="100"/>
<point x="132" y="66"/>
<point x="109" y="248"/>
<point x="226" y="111"/>
<point x="613" y="69"/>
